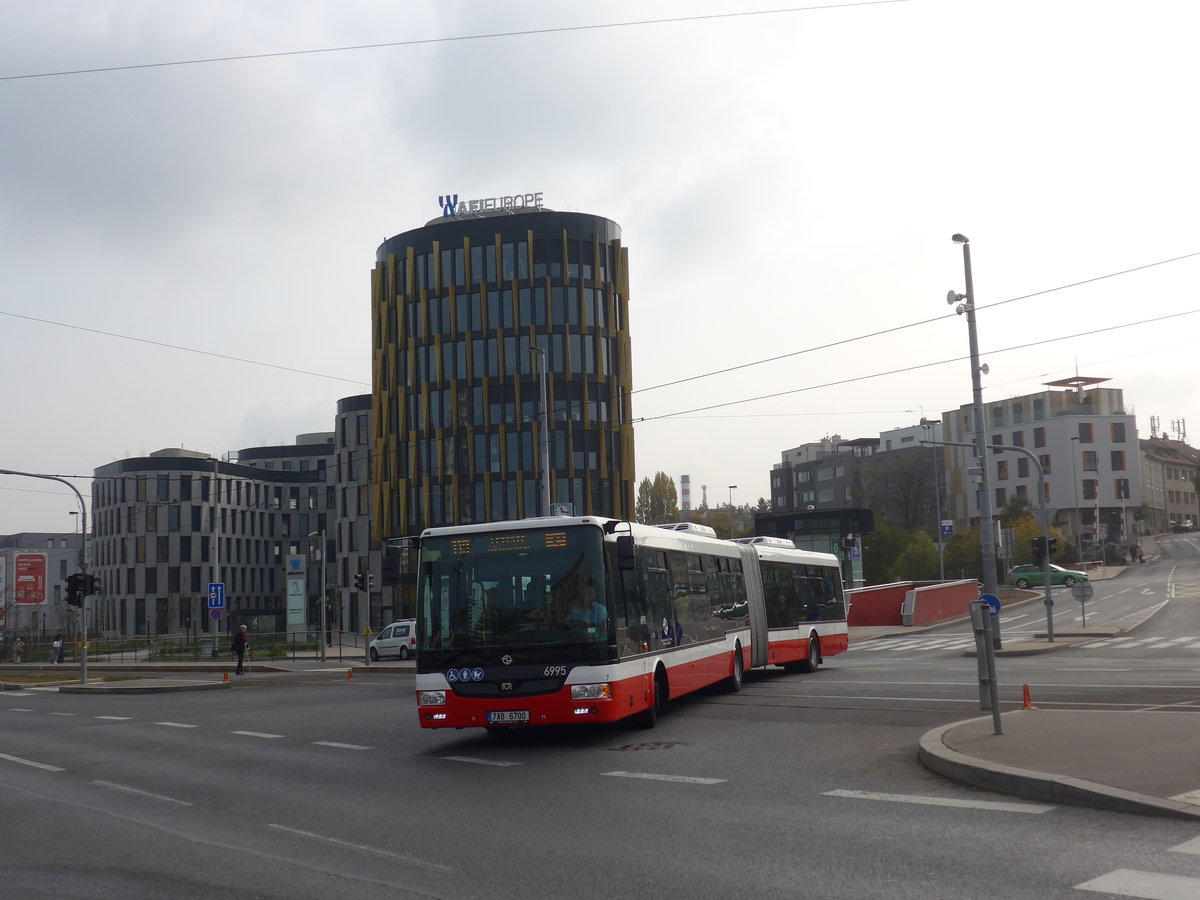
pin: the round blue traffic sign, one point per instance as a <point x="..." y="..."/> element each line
<point x="993" y="601"/>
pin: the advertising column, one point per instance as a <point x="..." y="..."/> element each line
<point x="296" y="593"/>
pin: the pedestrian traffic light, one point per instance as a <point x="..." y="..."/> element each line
<point x="1039" y="550"/>
<point x="1052" y="546"/>
<point x="75" y="590"/>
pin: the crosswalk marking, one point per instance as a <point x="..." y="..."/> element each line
<point x="1144" y="885"/>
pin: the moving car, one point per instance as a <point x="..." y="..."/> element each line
<point x="1029" y="575"/>
<point x="398" y="639"/>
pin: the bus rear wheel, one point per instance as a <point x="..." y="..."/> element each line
<point x="733" y="683"/>
<point x="814" y="656"/>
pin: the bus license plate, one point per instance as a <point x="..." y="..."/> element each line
<point x="508" y="717"/>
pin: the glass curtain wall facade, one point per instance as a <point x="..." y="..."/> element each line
<point x="457" y="307"/>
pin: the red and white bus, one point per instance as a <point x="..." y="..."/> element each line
<point x="587" y="619"/>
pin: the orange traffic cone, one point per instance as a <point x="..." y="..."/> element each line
<point x="349" y="674"/>
<point x="226" y="678"/>
<point x="1028" y="704"/>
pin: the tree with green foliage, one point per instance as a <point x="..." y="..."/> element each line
<point x="657" y="500"/>
<point x="918" y="561"/>
<point x="963" y="555"/>
<point x="1016" y="508"/>
<point x="880" y="551"/>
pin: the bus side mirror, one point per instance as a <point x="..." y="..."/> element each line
<point x="625" y="556"/>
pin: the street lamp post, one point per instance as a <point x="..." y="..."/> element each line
<point x="1075" y="498"/>
<point x="539" y="355"/>
<point x="987" y="528"/>
<point x="321" y="605"/>
<point x="928" y="424"/>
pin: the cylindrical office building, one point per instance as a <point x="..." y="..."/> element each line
<point x="460" y="308"/>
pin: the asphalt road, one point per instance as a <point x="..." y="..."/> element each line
<point x="308" y="785"/>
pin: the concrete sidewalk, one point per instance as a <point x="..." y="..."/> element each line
<point x="1136" y="762"/>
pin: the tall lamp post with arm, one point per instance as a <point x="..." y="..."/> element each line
<point x="1075" y="498"/>
<point x="987" y="528"/>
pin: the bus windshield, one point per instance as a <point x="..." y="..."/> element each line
<point x="482" y="591"/>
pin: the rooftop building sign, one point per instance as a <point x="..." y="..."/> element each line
<point x="452" y="207"/>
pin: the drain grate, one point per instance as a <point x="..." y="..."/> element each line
<point x="649" y="745"/>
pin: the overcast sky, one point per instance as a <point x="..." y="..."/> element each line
<point x="784" y="181"/>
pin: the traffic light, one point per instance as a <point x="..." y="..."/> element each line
<point x="1052" y="547"/>
<point x="1039" y="550"/>
<point x="75" y="590"/>
<point x="370" y="581"/>
<point x="358" y="581"/>
<point x="93" y="586"/>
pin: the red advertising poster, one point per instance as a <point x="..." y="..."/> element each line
<point x="29" y="578"/>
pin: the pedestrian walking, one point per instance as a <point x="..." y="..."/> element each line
<point x="241" y="643"/>
<point x="58" y="648"/>
<point x="18" y="647"/>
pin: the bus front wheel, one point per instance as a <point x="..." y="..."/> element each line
<point x="648" y="717"/>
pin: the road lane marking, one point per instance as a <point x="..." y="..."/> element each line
<point x="174" y="725"/>
<point x="341" y="746"/>
<point x="364" y="847"/>
<point x="1031" y="808"/>
<point x="481" y="762"/>
<point x="1145" y="885"/>
<point x="63" y="714"/>
<point x="1188" y="796"/>
<point x="1192" y="846"/>
<point x="116" y="718"/>
<point x="18" y="708"/>
<point x="132" y="790"/>
<point x="30" y="762"/>
<point x="257" y="734"/>
<point x="678" y="779"/>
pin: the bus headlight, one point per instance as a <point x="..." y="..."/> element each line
<point x="431" y="698"/>
<point x="591" y="691"/>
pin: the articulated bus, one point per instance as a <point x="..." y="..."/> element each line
<point x="587" y="619"/>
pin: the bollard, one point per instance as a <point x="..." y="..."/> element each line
<point x="226" y="678"/>
<point x="1028" y="703"/>
<point x="349" y="674"/>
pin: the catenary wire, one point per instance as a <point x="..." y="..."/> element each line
<point x="446" y="40"/>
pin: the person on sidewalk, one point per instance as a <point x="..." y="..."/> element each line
<point x="56" y="649"/>
<point x="18" y="647"/>
<point x="241" y="644"/>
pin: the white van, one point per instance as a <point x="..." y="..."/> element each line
<point x="398" y="639"/>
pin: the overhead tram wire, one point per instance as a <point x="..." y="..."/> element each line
<point x="901" y="371"/>
<point x="893" y="330"/>
<point x="447" y="40"/>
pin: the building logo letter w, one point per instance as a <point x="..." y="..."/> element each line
<point x="448" y="203"/>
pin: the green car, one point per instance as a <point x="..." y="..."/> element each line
<point x="1027" y="576"/>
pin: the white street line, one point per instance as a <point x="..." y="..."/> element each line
<point x="481" y="762"/>
<point x="257" y="734"/>
<point x="1188" y="796"/>
<point x="1032" y="808"/>
<point x="1145" y="885"/>
<point x="30" y="762"/>
<point x="342" y="746"/>
<point x="18" y="708"/>
<point x="63" y="714"/>
<point x="364" y="847"/>
<point x="1192" y="846"/>
<point x="679" y="779"/>
<point x="116" y="718"/>
<point x="174" y="724"/>
<point x="140" y="793"/>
